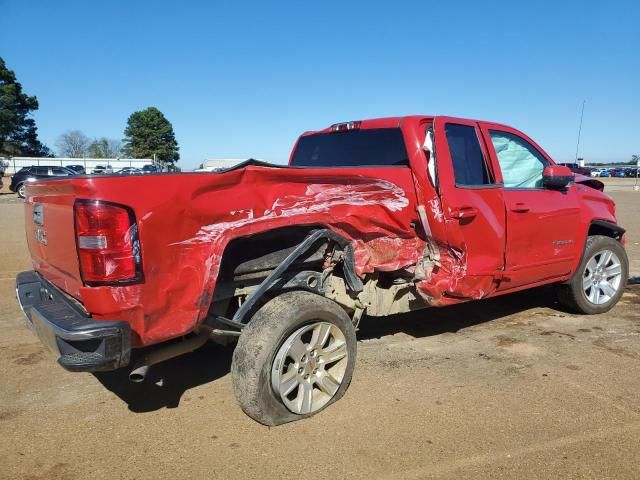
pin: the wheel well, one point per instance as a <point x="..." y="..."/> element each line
<point x="248" y="261"/>
<point x="257" y="255"/>
<point x="257" y="267"/>
<point x="606" y="229"/>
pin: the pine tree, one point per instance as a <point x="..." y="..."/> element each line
<point x="18" y="132"/>
<point x="149" y="133"/>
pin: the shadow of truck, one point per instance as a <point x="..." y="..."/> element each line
<point x="166" y="382"/>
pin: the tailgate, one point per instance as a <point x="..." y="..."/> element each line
<point x="49" y="224"/>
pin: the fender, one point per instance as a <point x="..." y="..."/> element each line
<point x="609" y="229"/>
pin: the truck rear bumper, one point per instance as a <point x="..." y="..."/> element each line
<point x="81" y="343"/>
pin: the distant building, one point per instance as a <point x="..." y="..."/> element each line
<point x="215" y="164"/>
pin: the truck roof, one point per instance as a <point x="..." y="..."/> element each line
<point x="394" y="122"/>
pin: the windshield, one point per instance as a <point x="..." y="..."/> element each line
<point x="352" y="148"/>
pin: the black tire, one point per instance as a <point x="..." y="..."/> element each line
<point x="261" y="340"/>
<point x="19" y="190"/>
<point x="573" y="296"/>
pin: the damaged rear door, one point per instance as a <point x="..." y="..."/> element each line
<point x="473" y="208"/>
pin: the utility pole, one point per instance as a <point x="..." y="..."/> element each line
<point x="580" y="130"/>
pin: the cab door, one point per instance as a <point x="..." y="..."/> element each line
<point x="473" y="207"/>
<point x="542" y="224"/>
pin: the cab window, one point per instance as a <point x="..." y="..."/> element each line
<point x="521" y="164"/>
<point x="382" y="147"/>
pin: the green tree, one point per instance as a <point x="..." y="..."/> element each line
<point x="18" y="132"/>
<point x="149" y="133"/>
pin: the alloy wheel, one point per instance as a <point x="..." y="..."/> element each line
<point x="602" y="277"/>
<point x="309" y="367"/>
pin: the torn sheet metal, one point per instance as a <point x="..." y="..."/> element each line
<point x="186" y="222"/>
<point x="184" y="236"/>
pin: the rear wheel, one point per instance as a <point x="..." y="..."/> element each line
<point x="21" y="190"/>
<point x="295" y="358"/>
<point x="600" y="279"/>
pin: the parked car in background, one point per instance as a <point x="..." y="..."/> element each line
<point x="129" y="171"/>
<point x="575" y="168"/>
<point x="630" y="172"/>
<point x="102" y="170"/>
<point x="619" y="173"/>
<point x="605" y="173"/>
<point x="79" y="169"/>
<point x="27" y="175"/>
<point x="595" y="173"/>
<point x="151" y="169"/>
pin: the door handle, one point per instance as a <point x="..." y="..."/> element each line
<point x="464" y="212"/>
<point x="520" y="207"/>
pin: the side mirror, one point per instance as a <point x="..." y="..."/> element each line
<point x="556" y="177"/>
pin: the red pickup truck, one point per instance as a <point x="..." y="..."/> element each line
<point x="371" y="217"/>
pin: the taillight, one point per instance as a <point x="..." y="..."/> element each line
<point x="108" y="243"/>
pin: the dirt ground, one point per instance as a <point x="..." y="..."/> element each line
<point x="507" y="388"/>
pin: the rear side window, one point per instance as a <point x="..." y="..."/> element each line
<point x="469" y="165"/>
<point x="40" y="170"/>
<point x="59" y="171"/>
<point x="352" y="148"/>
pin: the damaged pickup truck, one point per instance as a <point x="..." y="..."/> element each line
<point x="372" y="217"/>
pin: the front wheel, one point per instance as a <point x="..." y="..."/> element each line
<point x="295" y="358"/>
<point x="600" y="279"/>
<point x="21" y="190"/>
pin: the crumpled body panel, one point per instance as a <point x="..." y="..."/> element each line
<point x="184" y="232"/>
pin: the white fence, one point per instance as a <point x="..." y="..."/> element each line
<point x="16" y="163"/>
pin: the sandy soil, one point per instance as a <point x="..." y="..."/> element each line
<point x="506" y="388"/>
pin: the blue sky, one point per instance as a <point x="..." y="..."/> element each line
<point x="243" y="79"/>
